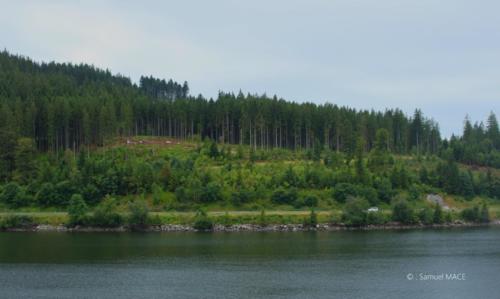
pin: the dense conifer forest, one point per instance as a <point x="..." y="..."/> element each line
<point x="65" y="106"/>
<point x="76" y="131"/>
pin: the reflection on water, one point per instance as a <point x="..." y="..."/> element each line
<point x="247" y="265"/>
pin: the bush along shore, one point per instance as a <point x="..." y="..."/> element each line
<point x="354" y="216"/>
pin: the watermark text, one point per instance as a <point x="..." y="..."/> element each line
<point x="421" y="276"/>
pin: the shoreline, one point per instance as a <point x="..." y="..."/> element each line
<point x="247" y="227"/>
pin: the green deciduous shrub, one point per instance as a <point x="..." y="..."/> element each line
<point x="403" y="212"/>
<point x="310" y="201"/>
<point x="426" y="216"/>
<point x="241" y="196"/>
<point x="342" y="191"/>
<point x="284" y="196"/>
<point x="139" y="213"/>
<point x="202" y="222"/>
<point x="470" y="214"/>
<point x="211" y="192"/>
<point x="355" y="212"/>
<point x="375" y="218"/>
<point x="77" y="211"/>
<point x="9" y="194"/>
<point x="105" y="214"/>
<point x="368" y="193"/>
<point x="438" y="217"/>
<point x="15" y="196"/>
<point x="476" y="214"/>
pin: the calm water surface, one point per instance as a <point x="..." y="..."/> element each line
<point x="357" y="264"/>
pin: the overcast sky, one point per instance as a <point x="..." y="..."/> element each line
<point x="441" y="56"/>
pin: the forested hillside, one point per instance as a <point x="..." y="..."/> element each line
<point x="65" y="106"/>
<point x="75" y="130"/>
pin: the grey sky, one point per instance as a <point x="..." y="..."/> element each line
<point x="441" y="56"/>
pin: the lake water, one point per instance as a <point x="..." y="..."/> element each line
<point x="356" y="264"/>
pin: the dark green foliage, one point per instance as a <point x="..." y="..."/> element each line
<point x="399" y="177"/>
<point x="492" y="185"/>
<point x="403" y="212"/>
<point x="476" y="214"/>
<point x="355" y="212"/>
<point x="478" y="145"/>
<point x="438" y="217"/>
<point x="290" y="178"/>
<point x="202" y="222"/>
<point x="382" y="140"/>
<point x="63" y="192"/>
<point x="484" y="215"/>
<point x="211" y="193"/>
<point x="166" y="175"/>
<point x="470" y="214"/>
<point x="333" y="159"/>
<point x="424" y="175"/>
<point x="368" y="193"/>
<point x="379" y="158"/>
<point x="342" y="191"/>
<point x="91" y="194"/>
<point x="312" y="178"/>
<point x="414" y="192"/>
<point x="375" y="218"/>
<point x="143" y="178"/>
<point x="181" y="194"/>
<point x="241" y="196"/>
<point x="454" y="181"/>
<point x="25" y="160"/>
<point x="58" y="195"/>
<point x="106" y="215"/>
<point x="449" y="177"/>
<point x="7" y="152"/>
<point x="15" y="196"/>
<point x="138" y="213"/>
<point x="426" y="216"/>
<point x="213" y="151"/>
<point x="362" y="175"/>
<point x="252" y="155"/>
<point x="316" y="155"/>
<point x="466" y="187"/>
<point x="24" y="198"/>
<point x="77" y="210"/>
<point x="157" y="194"/>
<point x="284" y="196"/>
<point x="9" y="194"/>
<point x="448" y="218"/>
<point x="310" y="201"/>
<point x="161" y="89"/>
<point x="384" y="189"/>
<point x="46" y="196"/>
